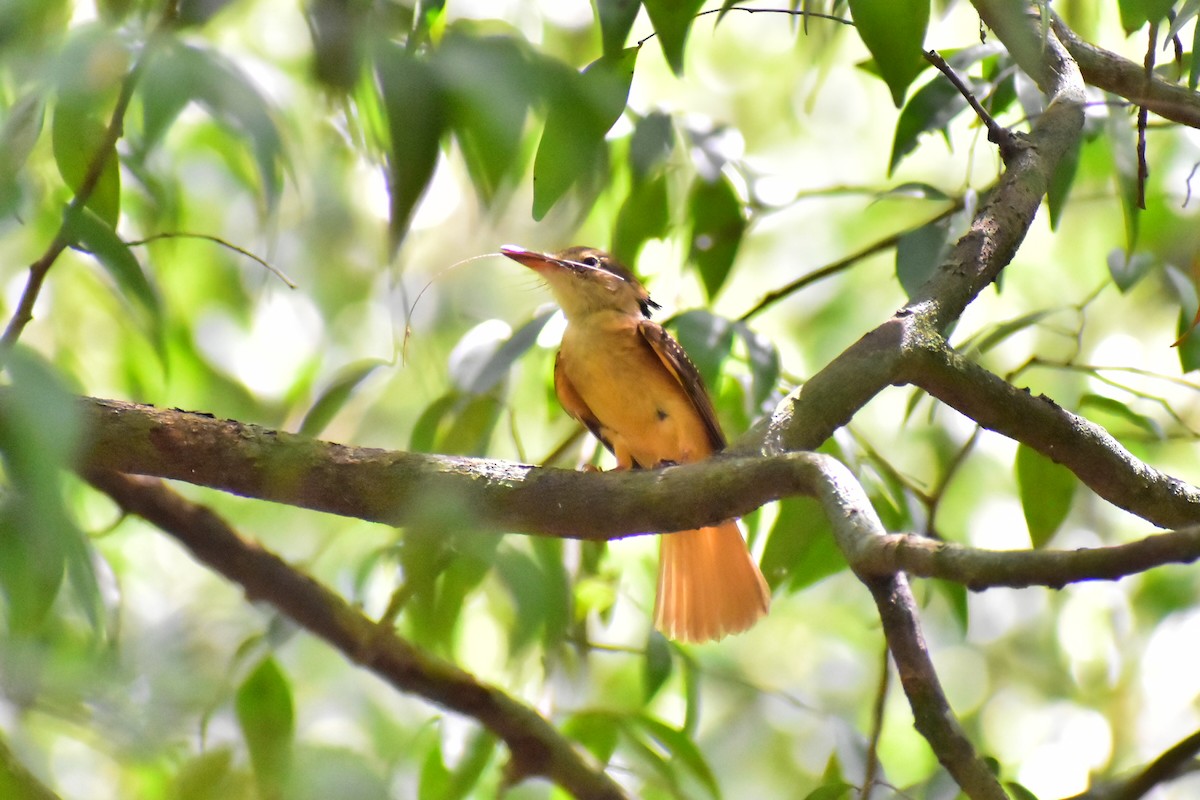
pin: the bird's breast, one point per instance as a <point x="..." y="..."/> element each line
<point x="644" y="411"/>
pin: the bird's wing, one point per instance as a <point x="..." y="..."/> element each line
<point x="673" y="357"/>
<point x="574" y="405"/>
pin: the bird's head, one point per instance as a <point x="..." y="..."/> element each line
<point x="585" y="280"/>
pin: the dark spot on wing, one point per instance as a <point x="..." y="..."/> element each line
<point x="661" y="414"/>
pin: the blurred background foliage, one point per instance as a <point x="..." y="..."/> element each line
<point x="289" y="232"/>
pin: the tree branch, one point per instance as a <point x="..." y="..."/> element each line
<point x="537" y="748"/>
<point x="1113" y="73"/>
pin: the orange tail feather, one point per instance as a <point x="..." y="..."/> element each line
<point x="708" y="585"/>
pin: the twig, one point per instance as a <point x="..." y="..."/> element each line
<point x="1178" y="760"/>
<point x="997" y="133"/>
<point x="537" y="749"/>
<point x="871" y="773"/>
<point x="791" y="12"/>
<point x="223" y="243"/>
<point x="38" y="269"/>
<point x="775" y="295"/>
<point x="1143" y="117"/>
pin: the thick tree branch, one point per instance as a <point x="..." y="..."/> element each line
<point x="1106" y="70"/>
<point x="537" y="748"/>
<point x="1085" y="448"/>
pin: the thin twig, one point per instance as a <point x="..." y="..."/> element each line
<point x="997" y="133"/>
<point x="278" y="273"/>
<point x="791" y="12"/>
<point x="1143" y="118"/>
<point x="39" y="268"/>
<point x="871" y="773"/>
<point x="774" y="296"/>
<point x="1177" y="761"/>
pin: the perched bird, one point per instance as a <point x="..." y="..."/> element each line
<point x="632" y="385"/>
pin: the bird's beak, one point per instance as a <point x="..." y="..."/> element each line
<point x="539" y="262"/>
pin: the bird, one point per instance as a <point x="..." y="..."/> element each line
<point x="630" y="383"/>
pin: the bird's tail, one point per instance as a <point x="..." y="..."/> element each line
<point x="708" y="584"/>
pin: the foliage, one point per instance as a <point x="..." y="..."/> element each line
<point x="192" y="159"/>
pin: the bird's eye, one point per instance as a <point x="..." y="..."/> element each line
<point x="591" y="261"/>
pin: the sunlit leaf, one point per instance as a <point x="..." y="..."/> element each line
<point x="211" y="776"/>
<point x="92" y="234"/>
<point x="1118" y="410"/>
<point x="800" y="548"/>
<point x="416" y="110"/>
<point x="597" y="731"/>
<point x="582" y="110"/>
<point x="894" y="32"/>
<point x="1136" y="13"/>
<point x="77" y="134"/>
<point x="1046" y="490"/>
<point x="672" y="20"/>
<point x="830" y="791"/>
<point x="718" y="224"/>
<point x="267" y="719"/>
<point x="1061" y="182"/>
<point x="616" y="20"/>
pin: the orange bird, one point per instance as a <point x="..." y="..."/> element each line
<point x="632" y="385"/>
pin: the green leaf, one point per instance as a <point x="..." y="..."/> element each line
<point x="527" y="587"/>
<point x="830" y="791"/>
<point x="88" y="231"/>
<point x="18" y="135"/>
<point x="425" y="431"/>
<point x="416" y="111"/>
<point x="500" y="362"/>
<point x="1004" y="331"/>
<point x="1061" y="182"/>
<point x="583" y="108"/>
<point x="1118" y="410"/>
<point x="1018" y="792"/>
<point x="706" y="338"/>
<point x="39" y="540"/>
<point x="657" y="665"/>
<point x="643" y="216"/>
<point x="800" y="548"/>
<point x="1045" y="489"/>
<point x="184" y="74"/>
<point x="335" y="395"/>
<point x="616" y="20"/>
<point x="672" y="21"/>
<point x="267" y="718"/>
<point x="894" y="32"/>
<point x="1194" y="73"/>
<point x="651" y="144"/>
<point x="681" y="747"/>
<point x="598" y="731"/>
<point x="435" y="777"/>
<point x="1184" y="290"/>
<point x="1127" y="269"/>
<point x="77" y="134"/>
<point x="210" y="776"/>
<point x="472" y="427"/>
<point x="466" y="774"/>
<point x="1119" y="134"/>
<point x="718" y="225"/>
<point x="931" y="109"/>
<point x="919" y="252"/>
<point x="1136" y="13"/>
<point x="762" y="357"/>
<point x="489" y="84"/>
